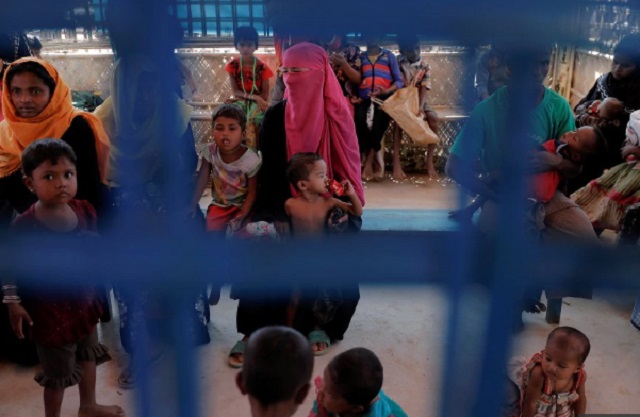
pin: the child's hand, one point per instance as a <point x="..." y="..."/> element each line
<point x="18" y="315"/>
<point x="349" y="191"/>
<point x="593" y="108"/>
<point x="379" y="92"/>
<point x="262" y="103"/>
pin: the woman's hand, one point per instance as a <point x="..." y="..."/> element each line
<point x="18" y="315"/>
<point x="338" y="60"/>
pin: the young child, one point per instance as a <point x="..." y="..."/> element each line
<point x="606" y="199"/>
<point x="552" y="382"/>
<point x="232" y="167"/>
<point x="276" y="376"/>
<point x="418" y="72"/>
<point x="307" y="173"/>
<point x="351" y="386"/>
<point x="62" y="326"/>
<point x="249" y="79"/>
<point x="574" y="147"/>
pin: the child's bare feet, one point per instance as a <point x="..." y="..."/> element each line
<point x="398" y="173"/>
<point x="367" y="172"/>
<point x="433" y="173"/>
<point x="99" y="410"/>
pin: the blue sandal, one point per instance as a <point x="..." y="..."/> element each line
<point x="238" y="348"/>
<point x="320" y="336"/>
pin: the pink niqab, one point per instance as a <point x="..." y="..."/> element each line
<point x="317" y="116"/>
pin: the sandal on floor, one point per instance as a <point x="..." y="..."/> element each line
<point x="320" y="336"/>
<point x="238" y="348"/>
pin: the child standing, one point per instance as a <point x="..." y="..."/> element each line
<point x="552" y="382"/>
<point x="62" y="326"/>
<point x="249" y="79"/>
<point x="417" y="74"/>
<point x="606" y="199"/>
<point x="233" y="168"/>
<point x="307" y="173"/>
<point x="351" y="386"/>
<point x="276" y="376"/>
<point x="381" y="77"/>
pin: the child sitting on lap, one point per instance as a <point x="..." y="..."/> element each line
<point x="62" y="323"/>
<point x="351" y="386"/>
<point x="276" y="376"/>
<point x="552" y="382"/>
<point x="307" y="173"/>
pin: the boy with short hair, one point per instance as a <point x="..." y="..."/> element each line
<point x="276" y="375"/>
<point x="351" y="386"/>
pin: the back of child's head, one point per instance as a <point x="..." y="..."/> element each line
<point x="245" y="34"/>
<point x="573" y="339"/>
<point x="278" y="362"/>
<point x="45" y="150"/>
<point x="34" y="68"/>
<point x="230" y="111"/>
<point x="356" y="375"/>
<point x="300" y="167"/>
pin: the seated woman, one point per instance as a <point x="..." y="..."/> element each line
<point x="621" y="83"/>
<point x="313" y="118"/>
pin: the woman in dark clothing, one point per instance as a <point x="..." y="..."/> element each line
<point x="622" y="83"/>
<point x="314" y="118"/>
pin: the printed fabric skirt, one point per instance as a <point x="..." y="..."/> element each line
<point x="606" y="199"/>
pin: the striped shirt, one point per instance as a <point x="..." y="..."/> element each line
<point x="382" y="74"/>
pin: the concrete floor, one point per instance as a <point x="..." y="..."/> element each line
<point x="403" y="325"/>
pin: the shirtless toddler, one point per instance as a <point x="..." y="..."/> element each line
<point x="307" y="173"/>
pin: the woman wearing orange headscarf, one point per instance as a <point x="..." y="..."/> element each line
<point x="37" y="104"/>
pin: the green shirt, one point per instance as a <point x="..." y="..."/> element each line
<point x="480" y="136"/>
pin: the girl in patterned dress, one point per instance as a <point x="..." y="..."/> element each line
<point x="249" y="79"/>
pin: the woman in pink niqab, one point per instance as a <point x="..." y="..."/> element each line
<point x="317" y="116"/>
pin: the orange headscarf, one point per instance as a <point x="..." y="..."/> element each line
<point x="16" y="133"/>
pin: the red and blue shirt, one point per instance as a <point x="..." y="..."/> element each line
<point x="382" y="73"/>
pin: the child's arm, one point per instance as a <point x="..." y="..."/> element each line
<point x="17" y="314"/>
<point x="249" y="201"/>
<point x="353" y="75"/>
<point x="424" y="93"/>
<point x="355" y="208"/>
<point x="580" y="406"/>
<point x="201" y="183"/>
<point x="238" y="93"/>
<point x="533" y="392"/>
